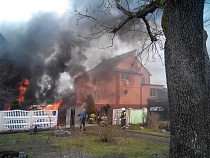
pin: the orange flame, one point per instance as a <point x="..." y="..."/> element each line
<point x="23" y="88"/>
<point x="55" y="106"/>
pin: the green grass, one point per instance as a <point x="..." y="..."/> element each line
<point x="125" y="147"/>
<point x="7" y="140"/>
<point x="12" y="138"/>
<point x="147" y="130"/>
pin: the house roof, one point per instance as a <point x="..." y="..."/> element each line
<point x="158" y="100"/>
<point x="128" y="71"/>
<point x="152" y="84"/>
<point x="107" y="65"/>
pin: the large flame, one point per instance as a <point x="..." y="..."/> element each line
<point x="55" y="106"/>
<point x="23" y="88"/>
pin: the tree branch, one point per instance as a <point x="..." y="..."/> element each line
<point x="120" y="25"/>
<point x="130" y="14"/>
<point x="141" y="13"/>
<point x="152" y="37"/>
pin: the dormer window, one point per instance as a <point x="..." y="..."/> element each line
<point x="125" y="76"/>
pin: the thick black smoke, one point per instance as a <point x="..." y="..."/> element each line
<point x="48" y="46"/>
<point x="42" y="50"/>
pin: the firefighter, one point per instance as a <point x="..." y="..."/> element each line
<point x="123" y="118"/>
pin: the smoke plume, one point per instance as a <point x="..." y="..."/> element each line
<point x="47" y="51"/>
<point x="43" y="50"/>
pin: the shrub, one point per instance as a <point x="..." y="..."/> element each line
<point x="15" y="105"/>
<point x="91" y="109"/>
<point x="153" y="121"/>
<point x="164" y="125"/>
<point x="105" y="128"/>
<point x="105" y="132"/>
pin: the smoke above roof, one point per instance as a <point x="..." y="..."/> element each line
<point x="50" y="54"/>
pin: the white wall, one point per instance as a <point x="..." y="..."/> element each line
<point x="133" y="116"/>
<point x="25" y="120"/>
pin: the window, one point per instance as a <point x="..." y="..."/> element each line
<point x="95" y="94"/>
<point x="125" y="76"/>
<point x="153" y="92"/>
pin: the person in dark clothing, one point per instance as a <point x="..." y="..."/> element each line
<point x="82" y="116"/>
<point x="123" y="118"/>
<point x="35" y="128"/>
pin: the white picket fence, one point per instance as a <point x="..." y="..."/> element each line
<point x="25" y="120"/>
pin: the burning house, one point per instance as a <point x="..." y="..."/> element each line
<point x="120" y="81"/>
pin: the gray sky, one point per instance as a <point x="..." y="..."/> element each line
<point x="18" y="18"/>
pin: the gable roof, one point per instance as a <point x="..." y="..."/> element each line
<point x="107" y="65"/>
<point x="127" y="71"/>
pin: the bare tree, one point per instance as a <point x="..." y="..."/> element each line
<point x="186" y="59"/>
<point x="7" y="74"/>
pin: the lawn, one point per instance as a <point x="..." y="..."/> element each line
<point x="149" y="131"/>
<point x="84" y="142"/>
<point x="126" y="147"/>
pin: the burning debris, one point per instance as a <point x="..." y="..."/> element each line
<point x="54" y="106"/>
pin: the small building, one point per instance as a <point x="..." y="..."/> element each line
<point x="160" y="104"/>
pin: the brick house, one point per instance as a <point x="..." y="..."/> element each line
<point x="119" y="82"/>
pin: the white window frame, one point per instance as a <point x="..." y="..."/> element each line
<point x="153" y="92"/>
<point x="125" y="76"/>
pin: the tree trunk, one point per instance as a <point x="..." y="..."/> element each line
<point x="188" y="78"/>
